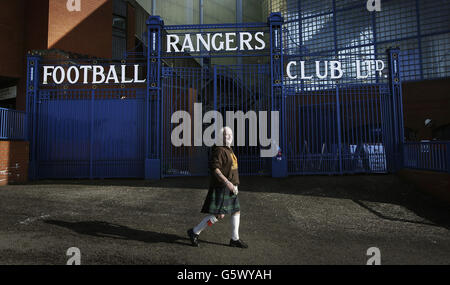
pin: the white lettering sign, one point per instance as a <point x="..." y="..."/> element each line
<point x="333" y="69"/>
<point x="91" y="74"/>
<point x="218" y="42"/>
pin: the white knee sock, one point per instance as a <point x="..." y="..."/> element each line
<point x="235" y="226"/>
<point x="207" y="221"/>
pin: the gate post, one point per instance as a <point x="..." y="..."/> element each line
<point x="153" y="99"/>
<point x="275" y="22"/>
<point x="395" y="86"/>
<point x="33" y="61"/>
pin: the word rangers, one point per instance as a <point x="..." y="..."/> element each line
<point x="218" y="42"/>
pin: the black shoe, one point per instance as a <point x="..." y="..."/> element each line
<point x="238" y="243"/>
<point x="193" y="237"/>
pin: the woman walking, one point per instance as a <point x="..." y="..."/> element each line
<point x="222" y="196"/>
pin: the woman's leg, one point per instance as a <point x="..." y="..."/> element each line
<point x="235" y="240"/>
<point x="235" y="220"/>
<point x="207" y="221"/>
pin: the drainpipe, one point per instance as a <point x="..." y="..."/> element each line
<point x="153" y="7"/>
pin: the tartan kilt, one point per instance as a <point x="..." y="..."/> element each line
<point x="220" y="200"/>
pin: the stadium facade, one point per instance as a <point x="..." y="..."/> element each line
<point x="354" y="124"/>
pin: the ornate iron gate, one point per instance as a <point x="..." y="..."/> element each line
<point x="221" y="88"/>
<point x="237" y="87"/>
<point x="87" y="130"/>
<point x="347" y="126"/>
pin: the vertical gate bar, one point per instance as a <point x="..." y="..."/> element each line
<point x="360" y="135"/>
<point x="188" y="150"/>
<point x="33" y="65"/>
<point x="447" y="156"/>
<point x="397" y="109"/>
<point x="147" y="105"/>
<point x="419" y="38"/>
<point x="160" y="104"/>
<point x="335" y="29"/>
<point x="215" y="91"/>
<point x="387" y="135"/>
<point x="362" y="105"/>
<point x="375" y="41"/>
<point x="154" y="155"/>
<point x="338" y="115"/>
<point x="281" y="89"/>
<point x="91" y="135"/>
<point x="344" y="128"/>
<point x="372" y="153"/>
<point x="275" y="22"/>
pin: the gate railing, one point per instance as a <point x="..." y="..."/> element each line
<point x="13" y="124"/>
<point x="432" y="155"/>
<point x="338" y="130"/>
<point x="348" y="126"/>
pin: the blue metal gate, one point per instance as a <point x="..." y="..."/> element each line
<point x="326" y="127"/>
<point x="221" y="88"/>
<point x="85" y="131"/>
<point x="348" y="125"/>
<point x="337" y="130"/>
<point x="93" y="133"/>
<point x="235" y="87"/>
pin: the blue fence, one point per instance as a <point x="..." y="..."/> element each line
<point x="342" y="129"/>
<point x="221" y="88"/>
<point x="433" y="155"/>
<point x="91" y="133"/>
<point x="87" y="130"/>
<point x="13" y="124"/>
<point x="327" y="127"/>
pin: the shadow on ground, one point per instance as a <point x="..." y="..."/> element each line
<point x="379" y="188"/>
<point x="115" y="231"/>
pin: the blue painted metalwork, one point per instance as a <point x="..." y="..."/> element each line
<point x="13" y="124"/>
<point x="33" y="61"/>
<point x="326" y="126"/>
<point x="397" y="106"/>
<point x="153" y="99"/>
<point x="215" y="26"/>
<point x="338" y="129"/>
<point x="419" y="28"/>
<point x="85" y="131"/>
<point x="431" y="155"/>
<point x="90" y="133"/>
<point x="222" y="88"/>
<point x="275" y="21"/>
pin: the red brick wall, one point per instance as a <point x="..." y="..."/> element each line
<point x="23" y="27"/>
<point x="36" y="25"/>
<point x="88" y="31"/>
<point x="46" y="24"/>
<point x="12" y="29"/>
<point x="13" y="162"/>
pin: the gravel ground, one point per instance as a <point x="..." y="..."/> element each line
<point x="294" y="220"/>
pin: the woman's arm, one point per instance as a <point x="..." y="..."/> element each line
<point x="222" y="178"/>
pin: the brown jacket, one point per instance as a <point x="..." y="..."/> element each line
<point x="224" y="159"/>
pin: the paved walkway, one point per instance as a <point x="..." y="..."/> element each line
<point x="296" y="220"/>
